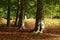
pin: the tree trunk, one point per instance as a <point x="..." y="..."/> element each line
<point x="8" y="15"/>
<point x="39" y="14"/>
<point x="17" y="14"/>
<point x="21" y="15"/>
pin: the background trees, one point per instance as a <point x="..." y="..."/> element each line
<point x="14" y="10"/>
<point x="52" y="8"/>
<point x="8" y="14"/>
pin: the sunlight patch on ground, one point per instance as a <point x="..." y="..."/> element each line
<point x="52" y="21"/>
<point x="29" y="21"/>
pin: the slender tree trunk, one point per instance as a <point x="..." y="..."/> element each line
<point x="8" y="15"/>
<point x="21" y="15"/>
<point x="39" y="15"/>
<point x="17" y="14"/>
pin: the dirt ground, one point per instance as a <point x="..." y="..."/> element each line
<point x="27" y="36"/>
<point x="12" y="33"/>
<point x="51" y="32"/>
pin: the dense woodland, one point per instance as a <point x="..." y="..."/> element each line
<point x="13" y="10"/>
<point x="29" y="19"/>
<point x="51" y="7"/>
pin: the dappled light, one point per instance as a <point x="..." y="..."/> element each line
<point x="30" y="20"/>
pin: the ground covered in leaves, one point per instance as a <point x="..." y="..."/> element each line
<point x="27" y="36"/>
<point x="52" y="31"/>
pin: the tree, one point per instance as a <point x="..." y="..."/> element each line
<point x="21" y="13"/>
<point x="39" y="16"/>
<point x="17" y="14"/>
<point x="8" y="15"/>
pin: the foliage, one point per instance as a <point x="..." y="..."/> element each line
<point x="51" y="8"/>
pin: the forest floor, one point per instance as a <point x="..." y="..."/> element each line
<point x="27" y="36"/>
<point x="52" y="32"/>
<point x="14" y="33"/>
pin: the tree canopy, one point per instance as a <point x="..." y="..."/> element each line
<point x="51" y="7"/>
